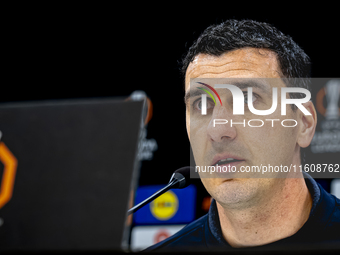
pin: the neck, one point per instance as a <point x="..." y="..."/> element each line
<point x="276" y="217"/>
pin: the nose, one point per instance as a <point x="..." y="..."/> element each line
<point x="219" y="128"/>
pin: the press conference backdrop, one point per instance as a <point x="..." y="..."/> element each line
<point x="165" y="216"/>
<point x="75" y="56"/>
<point x="156" y="221"/>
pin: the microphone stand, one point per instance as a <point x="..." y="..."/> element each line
<point x="157" y="194"/>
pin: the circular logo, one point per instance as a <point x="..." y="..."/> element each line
<point x="327" y="100"/>
<point x="161" y="235"/>
<point x="165" y="206"/>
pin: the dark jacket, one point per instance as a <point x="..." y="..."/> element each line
<point x="321" y="231"/>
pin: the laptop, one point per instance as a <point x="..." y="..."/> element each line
<point x="68" y="169"/>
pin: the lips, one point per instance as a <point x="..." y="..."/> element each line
<point x="226" y="158"/>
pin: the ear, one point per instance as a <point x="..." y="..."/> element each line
<point x="307" y="129"/>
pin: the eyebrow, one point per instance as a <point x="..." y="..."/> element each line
<point x="264" y="87"/>
<point x="192" y="93"/>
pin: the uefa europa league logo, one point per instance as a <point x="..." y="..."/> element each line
<point x="332" y="95"/>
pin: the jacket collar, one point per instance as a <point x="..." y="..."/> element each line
<point x="320" y="213"/>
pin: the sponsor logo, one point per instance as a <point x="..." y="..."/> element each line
<point x="165" y="206"/>
<point x="8" y="176"/>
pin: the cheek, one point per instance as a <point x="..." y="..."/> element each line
<point x="256" y="139"/>
<point x="197" y="131"/>
<point x="271" y="143"/>
<point x="209" y="184"/>
<point x="198" y="145"/>
<point x="187" y="120"/>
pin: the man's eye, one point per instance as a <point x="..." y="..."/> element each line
<point x="246" y="97"/>
<point x="198" y="104"/>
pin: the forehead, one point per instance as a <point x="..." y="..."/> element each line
<point x="240" y="63"/>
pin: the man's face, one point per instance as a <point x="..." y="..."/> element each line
<point x="251" y="146"/>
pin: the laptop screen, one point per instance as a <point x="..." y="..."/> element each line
<point x="75" y="165"/>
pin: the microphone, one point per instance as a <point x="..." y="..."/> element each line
<point x="179" y="180"/>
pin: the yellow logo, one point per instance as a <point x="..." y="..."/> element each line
<point x="165" y="206"/>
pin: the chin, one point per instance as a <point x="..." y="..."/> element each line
<point x="234" y="192"/>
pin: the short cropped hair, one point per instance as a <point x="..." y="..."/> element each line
<point x="236" y="34"/>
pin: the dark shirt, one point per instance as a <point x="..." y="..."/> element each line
<point x="321" y="230"/>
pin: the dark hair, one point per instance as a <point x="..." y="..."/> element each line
<point x="234" y="34"/>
